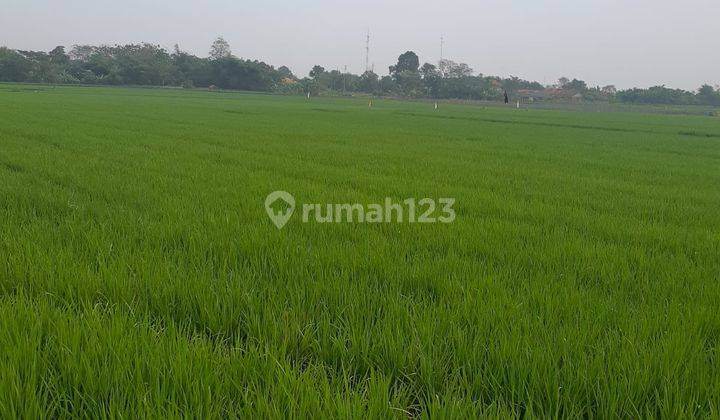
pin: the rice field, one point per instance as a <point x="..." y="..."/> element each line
<point x="140" y="275"/>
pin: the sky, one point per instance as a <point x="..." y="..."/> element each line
<point x="627" y="43"/>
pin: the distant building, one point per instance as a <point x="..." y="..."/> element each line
<point x="530" y="96"/>
<point x="549" y="94"/>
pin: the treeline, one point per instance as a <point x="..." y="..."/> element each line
<point x="138" y="64"/>
<point x="447" y="80"/>
<point x="152" y="65"/>
<point x="661" y="95"/>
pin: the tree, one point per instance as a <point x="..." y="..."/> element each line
<point x="657" y="95"/>
<point x="428" y="70"/>
<point x="142" y="64"/>
<point x="233" y="73"/>
<point x="190" y="70"/>
<point x="41" y="69"/>
<point x="58" y="56"/>
<point x="451" y="69"/>
<point x="58" y="66"/>
<point x="91" y="64"/>
<point x="609" y="90"/>
<point x="285" y="73"/>
<point x="220" y="49"/>
<point x="432" y="79"/>
<point x="708" y="96"/>
<point x="13" y="66"/>
<point x="387" y="85"/>
<point x="317" y="71"/>
<point x="410" y="84"/>
<point x="148" y="64"/>
<point x="311" y="86"/>
<point x="406" y="74"/>
<point x="334" y="80"/>
<point x="369" y="82"/>
<point x="576" y="85"/>
<point x="407" y="62"/>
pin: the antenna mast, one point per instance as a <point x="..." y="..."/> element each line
<point x="367" y="51"/>
<point x="442" y="45"/>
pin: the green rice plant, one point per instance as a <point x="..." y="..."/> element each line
<point x="140" y="275"/>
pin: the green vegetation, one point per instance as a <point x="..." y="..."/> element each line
<point x="151" y="65"/>
<point x="706" y="95"/>
<point x="140" y="275"/>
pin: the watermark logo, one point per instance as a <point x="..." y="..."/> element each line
<point x="280" y="207"/>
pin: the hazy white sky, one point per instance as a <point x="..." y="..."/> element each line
<point x="622" y="42"/>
